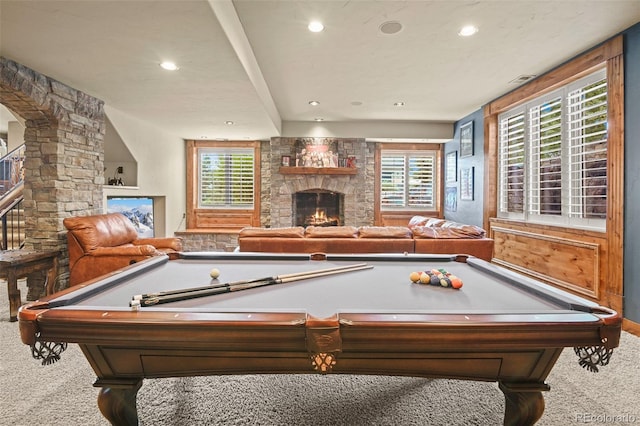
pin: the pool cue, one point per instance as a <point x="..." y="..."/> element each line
<point x="177" y="295"/>
<point x="224" y="285"/>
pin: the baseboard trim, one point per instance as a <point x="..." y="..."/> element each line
<point x="631" y="327"/>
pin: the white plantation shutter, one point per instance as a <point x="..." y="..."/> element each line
<point x="545" y="157"/>
<point x="407" y="179"/>
<point x="553" y="156"/>
<point x="511" y="164"/>
<point x="226" y="178"/>
<point x="393" y="178"/>
<point x="420" y="181"/>
<point x="588" y="150"/>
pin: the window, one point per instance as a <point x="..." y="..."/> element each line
<point x="223" y="185"/>
<point x="552" y="164"/>
<point x="226" y="178"/>
<point x="408" y="180"/>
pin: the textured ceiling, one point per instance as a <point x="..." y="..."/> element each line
<point x="254" y="62"/>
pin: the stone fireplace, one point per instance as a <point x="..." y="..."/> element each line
<point x="279" y="189"/>
<point x="318" y="207"/>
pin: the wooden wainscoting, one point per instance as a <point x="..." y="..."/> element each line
<point x="571" y="259"/>
<point x="401" y="218"/>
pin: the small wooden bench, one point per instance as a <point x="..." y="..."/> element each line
<point x="16" y="264"/>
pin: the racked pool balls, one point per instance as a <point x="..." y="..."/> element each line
<point x="436" y="277"/>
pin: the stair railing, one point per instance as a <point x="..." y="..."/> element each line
<point x="11" y="186"/>
<point x="12" y="170"/>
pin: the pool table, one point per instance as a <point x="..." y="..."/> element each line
<point x="499" y="326"/>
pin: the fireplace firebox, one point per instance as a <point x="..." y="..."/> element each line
<point x="317" y="207"/>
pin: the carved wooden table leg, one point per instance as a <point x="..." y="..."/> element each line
<point x="117" y="401"/>
<point x="524" y="403"/>
<point x="15" y="299"/>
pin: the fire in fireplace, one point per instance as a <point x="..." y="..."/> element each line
<point x="318" y="207"/>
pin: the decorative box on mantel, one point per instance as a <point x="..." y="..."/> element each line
<point x="318" y="170"/>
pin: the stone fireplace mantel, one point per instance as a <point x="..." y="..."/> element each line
<point x="293" y="170"/>
<point x="280" y="183"/>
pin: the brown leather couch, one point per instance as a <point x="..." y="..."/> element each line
<point x="330" y="239"/>
<point x="424" y="235"/>
<point x="433" y="235"/>
<point x="101" y="244"/>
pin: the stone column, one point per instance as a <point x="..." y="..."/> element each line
<point x="64" y="159"/>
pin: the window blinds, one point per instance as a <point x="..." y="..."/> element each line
<point x="407" y="180"/>
<point x="552" y="164"/>
<point x="226" y="178"/>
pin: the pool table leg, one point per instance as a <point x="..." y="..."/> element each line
<point x="524" y="403"/>
<point x="117" y="401"/>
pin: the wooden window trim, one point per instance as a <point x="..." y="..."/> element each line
<point x="219" y="219"/>
<point x="610" y="55"/>
<point x="402" y="217"/>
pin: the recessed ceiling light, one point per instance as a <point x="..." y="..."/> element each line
<point x="229" y="123"/>
<point x="314" y="103"/>
<point x="315" y="26"/>
<point x="203" y="137"/>
<point x="356" y="103"/>
<point x="468" y="30"/>
<point x="398" y="104"/>
<point x="390" y="27"/>
<point x="169" y="66"/>
<point x="318" y="119"/>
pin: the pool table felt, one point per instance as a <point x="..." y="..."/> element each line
<point x="386" y="288"/>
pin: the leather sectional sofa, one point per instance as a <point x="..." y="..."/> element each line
<point x="423" y="235"/>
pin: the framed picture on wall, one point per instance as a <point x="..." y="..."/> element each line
<point x="451" y="167"/>
<point x="466" y="140"/>
<point x="466" y="183"/>
<point x="286" y="161"/>
<point x="313" y="152"/>
<point x="451" y="198"/>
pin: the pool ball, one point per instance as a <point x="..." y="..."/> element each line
<point x="214" y="273"/>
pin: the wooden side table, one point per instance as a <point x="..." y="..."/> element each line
<point x="16" y="264"/>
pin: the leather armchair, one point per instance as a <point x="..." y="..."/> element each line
<point x="101" y="244"/>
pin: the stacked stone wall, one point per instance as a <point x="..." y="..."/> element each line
<point x="64" y="154"/>
<point x="279" y="188"/>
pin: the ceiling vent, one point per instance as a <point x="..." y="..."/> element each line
<point x="522" y="79"/>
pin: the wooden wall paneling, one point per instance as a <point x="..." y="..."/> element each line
<point x="567" y="263"/>
<point x="490" y="196"/>
<point x="612" y="286"/>
<point x="591" y="248"/>
<point x="227" y="219"/>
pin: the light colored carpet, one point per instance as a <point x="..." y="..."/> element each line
<point x="62" y="394"/>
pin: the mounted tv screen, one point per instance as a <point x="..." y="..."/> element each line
<point x="138" y="209"/>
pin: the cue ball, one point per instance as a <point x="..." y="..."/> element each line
<point x="214" y="273"/>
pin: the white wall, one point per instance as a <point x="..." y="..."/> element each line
<point x="15" y="135"/>
<point x="161" y="169"/>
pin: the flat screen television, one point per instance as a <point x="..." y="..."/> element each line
<point x="138" y="209"/>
